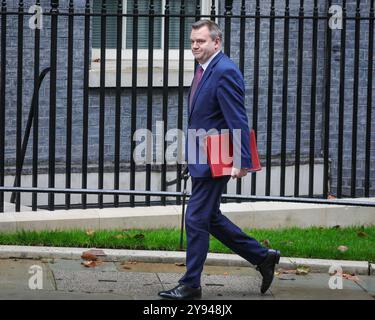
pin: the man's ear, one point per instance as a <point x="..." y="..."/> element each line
<point x="217" y="42"/>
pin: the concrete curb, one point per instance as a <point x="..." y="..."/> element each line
<point x="316" y="265"/>
<point x="245" y="215"/>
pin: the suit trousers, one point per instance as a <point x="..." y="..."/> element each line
<point x="203" y="217"/>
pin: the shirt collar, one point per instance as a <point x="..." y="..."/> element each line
<point x="205" y="65"/>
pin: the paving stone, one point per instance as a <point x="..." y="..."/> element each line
<point x="315" y="286"/>
<point x="15" y="272"/>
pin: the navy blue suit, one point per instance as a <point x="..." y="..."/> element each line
<point x="217" y="104"/>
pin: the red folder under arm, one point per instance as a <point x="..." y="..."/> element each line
<point x="220" y="154"/>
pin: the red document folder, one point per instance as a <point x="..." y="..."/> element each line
<point x="220" y="154"/>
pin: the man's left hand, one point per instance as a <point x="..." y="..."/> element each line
<point x="238" y="173"/>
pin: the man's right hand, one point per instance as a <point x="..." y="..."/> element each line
<point x="238" y="173"/>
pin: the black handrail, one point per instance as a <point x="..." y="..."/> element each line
<point x="27" y="131"/>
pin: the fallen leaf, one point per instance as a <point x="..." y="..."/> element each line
<point x="139" y="236"/>
<point x="361" y="234"/>
<point x="352" y="277"/>
<point x="180" y="264"/>
<point x="266" y="243"/>
<point x="286" y="277"/>
<point x="283" y="271"/>
<point x="97" y="252"/>
<point x="342" y="248"/>
<point x="90" y="232"/>
<point x="89" y="256"/>
<point x="90" y="264"/>
<point x="302" y="270"/>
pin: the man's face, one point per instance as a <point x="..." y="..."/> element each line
<point x="202" y="45"/>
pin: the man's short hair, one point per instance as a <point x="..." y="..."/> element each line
<point x="214" y="29"/>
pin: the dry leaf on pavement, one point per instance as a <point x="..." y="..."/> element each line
<point x="126" y="267"/>
<point x="90" y="264"/>
<point x="302" y="270"/>
<point x="89" y="256"/>
<point x="284" y="271"/>
<point x="348" y="276"/>
<point x="97" y="252"/>
<point x="180" y="264"/>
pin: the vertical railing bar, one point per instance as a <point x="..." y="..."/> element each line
<point x="327" y="98"/>
<point x="284" y="101"/>
<point x="34" y="199"/>
<point x="69" y="116"/>
<point x="242" y="68"/>
<point x="85" y="119"/>
<point x="355" y="101"/>
<point x="213" y="10"/>
<point x="227" y="43"/>
<point x="151" y="24"/>
<point x="2" y="98"/>
<point x="118" y="103"/>
<point x="197" y="17"/>
<point x="133" y="98"/>
<point x="369" y="99"/>
<point x="197" y="10"/>
<point x="228" y="19"/>
<point x="256" y="84"/>
<point x="340" y="142"/>
<point x="269" y="99"/>
<point x="299" y="99"/>
<point x="165" y="98"/>
<point x="19" y="102"/>
<point x="52" y="115"/>
<point x="313" y="98"/>
<point x="103" y="46"/>
<point x="180" y="95"/>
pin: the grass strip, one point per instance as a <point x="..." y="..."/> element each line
<point x="314" y="242"/>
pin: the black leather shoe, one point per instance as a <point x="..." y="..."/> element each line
<point x="182" y="292"/>
<point x="267" y="269"/>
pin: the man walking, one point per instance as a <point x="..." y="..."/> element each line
<point x="216" y="101"/>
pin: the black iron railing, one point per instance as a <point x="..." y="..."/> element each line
<point x="308" y="25"/>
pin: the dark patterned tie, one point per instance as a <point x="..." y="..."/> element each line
<point x="194" y="86"/>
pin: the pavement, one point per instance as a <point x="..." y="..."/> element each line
<point x="61" y="278"/>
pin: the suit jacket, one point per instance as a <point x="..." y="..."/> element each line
<point x="218" y="103"/>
